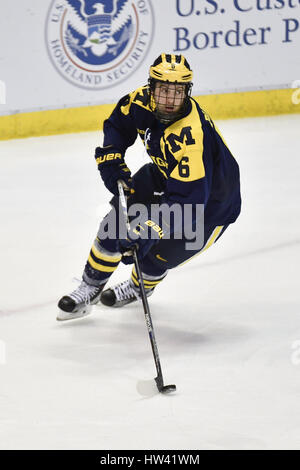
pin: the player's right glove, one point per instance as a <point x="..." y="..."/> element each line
<point x="143" y="237"/>
<point x="112" y="168"/>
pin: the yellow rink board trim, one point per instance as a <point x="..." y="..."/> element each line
<point x="90" y="118"/>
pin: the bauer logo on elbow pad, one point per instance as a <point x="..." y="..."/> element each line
<point x="107" y="157"/>
<point x="155" y="227"/>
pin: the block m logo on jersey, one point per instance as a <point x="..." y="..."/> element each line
<point x="184" y="137"/>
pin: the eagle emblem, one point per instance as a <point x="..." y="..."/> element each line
<point x="95" y="44"/>
<point x="98" y="32"/>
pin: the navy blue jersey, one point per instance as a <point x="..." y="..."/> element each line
<point x="194" y="164"/>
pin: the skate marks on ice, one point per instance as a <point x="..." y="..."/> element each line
<point x="28" y="308"/>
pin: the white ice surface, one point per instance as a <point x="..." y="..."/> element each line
<point x="226" y="323"/>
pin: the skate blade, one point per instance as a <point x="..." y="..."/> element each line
<point x="64" y="316"/>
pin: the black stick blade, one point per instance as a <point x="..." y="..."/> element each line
<point x="164" y="388"/>
<point x="168" y="388"/>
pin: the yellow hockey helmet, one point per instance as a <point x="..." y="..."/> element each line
<point x="171" y="68"/>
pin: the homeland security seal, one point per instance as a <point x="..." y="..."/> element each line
<point x="95" y="44"/>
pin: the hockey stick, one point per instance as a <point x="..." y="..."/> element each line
<point x="159" y="379"/>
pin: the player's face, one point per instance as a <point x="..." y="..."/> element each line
<point x="169" y="97"/>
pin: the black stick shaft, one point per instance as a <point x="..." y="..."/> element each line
<point x="148" y="316"/>
<point x="159" y="378"/>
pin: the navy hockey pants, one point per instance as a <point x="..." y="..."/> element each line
<point x="166" y="254"/>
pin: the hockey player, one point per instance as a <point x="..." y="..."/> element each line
<point x="191" y="165"/>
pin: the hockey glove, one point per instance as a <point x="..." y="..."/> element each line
<point x="142" y="237"/>
<point x="113" y="168"/>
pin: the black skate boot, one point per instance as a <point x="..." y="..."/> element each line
<point x="79" y="303"/>
<point x="122" y="294"/>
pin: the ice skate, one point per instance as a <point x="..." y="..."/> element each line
<point x="79" y="303"/>
<point x="122" y="294"/>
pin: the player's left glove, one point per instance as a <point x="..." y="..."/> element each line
<point x="144" y="236"/>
